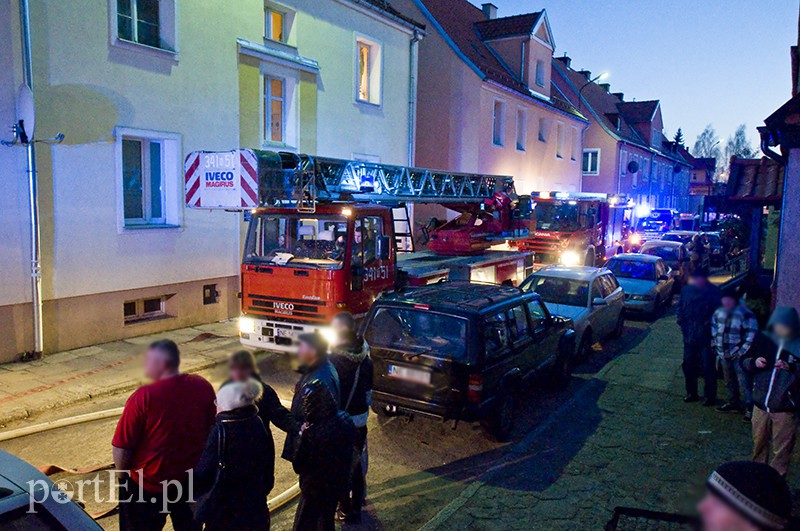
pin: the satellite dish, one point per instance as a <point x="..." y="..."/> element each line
<point x="26" y="118"/>
<point x="633" y="166"/>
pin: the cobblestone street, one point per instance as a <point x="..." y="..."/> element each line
<point x="624" y="439"/>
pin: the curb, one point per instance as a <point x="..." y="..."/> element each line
<point x="26" y="413"/>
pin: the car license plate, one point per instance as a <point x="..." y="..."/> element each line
<point x="282" y="332"/>
<point x="412" y="375"/>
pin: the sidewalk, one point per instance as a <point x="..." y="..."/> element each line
<point x="625" y="439"/>
<point x="70" y="377"/>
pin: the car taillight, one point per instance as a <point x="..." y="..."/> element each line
<point x="475" y="388"/>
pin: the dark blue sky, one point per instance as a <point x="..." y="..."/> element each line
<point x="723" y="62"/>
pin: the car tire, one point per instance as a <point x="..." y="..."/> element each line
<point x="501" y="423"/>
<point x="619" y="328"/>
<point x="562" y="370"/>
<point x="657" y="305"/>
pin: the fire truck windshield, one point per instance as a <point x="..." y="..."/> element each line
<point x="297" y="240"/>
<point x="558" y="216"/>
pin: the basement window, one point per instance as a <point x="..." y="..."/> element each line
<point x="148" y="309"/>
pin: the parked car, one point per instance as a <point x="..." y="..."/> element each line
<point x="674" y="255"/>
<point x="23" y="488"/>
<point x="685" y="237"/>
<point x="590" y="296"/>
<point x="459" y="351"/>
<point x="646" y="280"/>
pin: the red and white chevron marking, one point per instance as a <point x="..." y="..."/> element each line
<point x="191" y="168"/>
<point x="248" y="178"/>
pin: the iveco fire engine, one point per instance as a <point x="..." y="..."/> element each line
<point x="324" y="233"/>
<point x="567" y="228"/>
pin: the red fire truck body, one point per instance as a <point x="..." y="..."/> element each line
<point x="567" y="228"/>
<point x="307" y="259"/>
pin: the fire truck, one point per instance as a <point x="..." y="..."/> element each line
<point x="328" y="235"/>
<point x="567" y="228"/>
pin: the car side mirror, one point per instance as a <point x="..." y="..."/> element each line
<point x="357" y="278"/>
<point x="599" y="301"/>
<point x="384" y="247"/>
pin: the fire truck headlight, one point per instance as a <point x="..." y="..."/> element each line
<point x="635" y="239"/>
<point x="247" y="325"/>
<point x="329" y="334"/>
<point x="570" y="258"/>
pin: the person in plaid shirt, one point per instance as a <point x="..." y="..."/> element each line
<point x="733" y="329"/>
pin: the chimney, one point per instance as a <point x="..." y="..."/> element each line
<point x="606" y="87"/>
<point x="566" y="60"/>
<point x="585" y="73"/>
<point x="620" y="95"/>
<point x="489" y="10"/>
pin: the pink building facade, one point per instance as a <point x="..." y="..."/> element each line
<point x="485" y="101"/>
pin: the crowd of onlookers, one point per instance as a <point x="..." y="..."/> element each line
<point x="761" y="370"/>
<point x="207" y="460"/>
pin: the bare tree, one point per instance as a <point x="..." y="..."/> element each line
<point x="707" y="144"/>
<point x="738" y="145"/>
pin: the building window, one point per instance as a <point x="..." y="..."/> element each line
<point x="540" y="72"/>
<point x="147" y="22"/>
<point x="542" y="130"/>
<point x="143" y="181"/>
<point x="145" y="309"/>
<point x="560" y="140"/>
<point x="591" y="161"/>
<point x="574" y="145"/>
<point x="368" y="71"/>
<point x="498" y="122"/>
<point x="274" y="25"/>
<point x="522" y="130"/>
<point x="274" y="109"/>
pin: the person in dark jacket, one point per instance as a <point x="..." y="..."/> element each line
<point x="324" y="458"/>
<point x="242" y="368"/>
<point x="351" y="358"/>
<point x="774" y="361"/>
<point x="235" y="472"/>
<point x="313" y="364"/>
<point x="699" y="300"/>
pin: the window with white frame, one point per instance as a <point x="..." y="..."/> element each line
<point x="148" y="168"/>
<point x="574" y="144"/>
<point x="540" y="72"/>
<point x="591" y="161"/>
<point x="146" y="22"/>
<point x="522" y="130"/>
<point x="560" y="140"/>
<point x="368" y="71"/>
<point x="151" y="308"/>
<point x="274" y="24"/>
<point x="274" y="110"/>
<point x="542" y="129"/>
<point x="498" y="122"/>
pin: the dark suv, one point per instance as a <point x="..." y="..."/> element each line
<point x="459" y="350"/>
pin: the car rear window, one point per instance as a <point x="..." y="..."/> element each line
<point x="632" y="269"/>
<point x="559" y="290"/>
<point x="419" y="331"/>
<point x="665" y="252"/>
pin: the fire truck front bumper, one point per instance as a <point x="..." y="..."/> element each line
<point x="276" y="336"/>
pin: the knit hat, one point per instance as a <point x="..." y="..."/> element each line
<point x="238" y="394"/>
<point x="754" y="490"/>
<point x="315" y="341"/>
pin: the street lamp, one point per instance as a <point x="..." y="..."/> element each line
<point x="601" y="76"/>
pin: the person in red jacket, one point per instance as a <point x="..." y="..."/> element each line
<point x="159" y="440"/>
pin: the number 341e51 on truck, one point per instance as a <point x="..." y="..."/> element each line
<point x="328" y="235"/>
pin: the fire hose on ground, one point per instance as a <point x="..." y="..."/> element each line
<point x="273" y="504"/>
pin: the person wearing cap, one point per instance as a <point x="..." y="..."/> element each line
<point x="745" y="496"/>
<point x="733" y="329"/>
<point x="236" y="470"/>
<point x="324" y="458"/>
<point x="312" y="364"/>
<point x="698" y="302"/>
<point x="774" y="362"/>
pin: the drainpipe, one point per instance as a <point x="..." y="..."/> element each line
<point x="33" y="198"/>
<point x="412" y="95"/>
